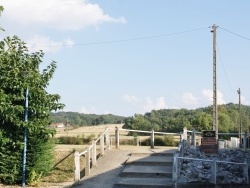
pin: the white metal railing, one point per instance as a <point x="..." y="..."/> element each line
<point x="176" y="162"/>
<point x="152" y="132"/>
<point x="91" y="158"/>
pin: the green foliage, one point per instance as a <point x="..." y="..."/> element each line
<point x="19" y="70"/>
<point x="78" y="119"/>
<point x="74" y="140"/>
<point x="173" y="120"/>
<point x="160" y="141"/>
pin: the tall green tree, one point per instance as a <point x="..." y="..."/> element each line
<point x="19" y="70"/>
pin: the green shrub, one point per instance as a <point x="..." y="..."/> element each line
<point x="71" y="140"/>
<point x="160" y="141"/>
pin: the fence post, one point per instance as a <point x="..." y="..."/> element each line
<point x="245" y="171"/>
<point x="245" y="141"/>
<point x="213" y="169"/>
<point x="137" y="141"/>
<point x="87" y="165"/>
<point x="77" y="167"/>
<point x="117" y="137"/>
<point x="188" y="140"/>
<point x="184" y="135"/>
<point x="107" y="139"/>
<point x="175" y="168"/>
<point x="102" y="144"/>
<point x="94" y="163"/>
<point x="193" y="138"/>
<point x="152" y="139"/>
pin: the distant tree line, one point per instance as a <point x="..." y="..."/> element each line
<point x="173" y="120"/>
<point x="80" y="119"/>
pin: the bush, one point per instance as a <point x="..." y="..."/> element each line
<point x="132" y="142"/>
<point x="71" y="140"/>
<point x="160" y="141"/>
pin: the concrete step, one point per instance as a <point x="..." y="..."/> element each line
<point x="155" y="152"/>
<point x="150" y="160"/>
<point x="146" y="171"/>
<point x="144" y="183"/>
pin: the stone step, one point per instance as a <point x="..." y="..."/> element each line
<point x="146" y="171"/>
<point x="151" y="160"/>
<point x="144" y="183"/>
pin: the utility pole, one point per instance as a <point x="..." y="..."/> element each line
<point x="215" y="109"/>
<point x="240" y="127"/>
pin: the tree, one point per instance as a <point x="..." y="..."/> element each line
<point x="19" y="70"/>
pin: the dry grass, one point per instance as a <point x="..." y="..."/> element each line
<point x="87" y="130"/>
<point x="64" y="154"/>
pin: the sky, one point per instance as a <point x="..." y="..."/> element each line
<point x="131" y="57"/>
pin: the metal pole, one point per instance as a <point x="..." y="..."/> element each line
<point x="25" y="137"/>
<point x="215" y="110"/>
<point x="240" y="127"/>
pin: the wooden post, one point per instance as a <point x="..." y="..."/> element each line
<point x="102" y="144"/>
<point x="152" y="139"/>
<point x="117" y="137"/>
<point x="77" y="167"/>
<point x="137" y="141"/>
<point x="87" y="165"/>
<point x="107" y="139"/>
<point x="94" y="163"/>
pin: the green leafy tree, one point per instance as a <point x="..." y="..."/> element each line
<point x="19" y="70"/>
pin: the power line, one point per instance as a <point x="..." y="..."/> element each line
<point x="123" y="40"/>
<point x="224" y="70"/>
<point x="234" y="33"/>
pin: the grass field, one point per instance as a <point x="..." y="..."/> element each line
<point x="87" y="130"/>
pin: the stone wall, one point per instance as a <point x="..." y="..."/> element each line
<point x="202" y="172"/>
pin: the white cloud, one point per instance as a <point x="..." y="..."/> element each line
<point x="158" y="104"/>
<point x="59" y="14"/>
<point x="46" y="44"/>
<point x="129" y="98"/>
<point x="209" y="95"/>
<point x="244" y="100"/>
<point x="91" y="110"/>
<point x="189" y="99"/>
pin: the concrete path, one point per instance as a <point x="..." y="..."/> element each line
<point x="107" y="170"/>
<point x="109" y="166"/>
